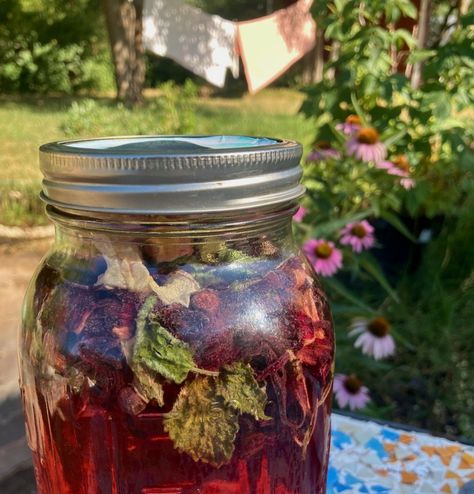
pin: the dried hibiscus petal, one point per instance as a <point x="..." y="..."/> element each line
<point x="205" y="300"/>
<point x="297" y="385"/>
<point x="130" y="401"/>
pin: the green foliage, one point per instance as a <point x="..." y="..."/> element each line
<point x="204" y="420"/>
<point x="172" y="112"/>
<point x="41" y="67"/>
<point x="52" y="46"/>
<point x="201" y="424"/>
<point x="429" y="301"/>
<point x="20" y="204"/>
<point x="157" y="351"/>
<point x="432" y="124"/>
<point x="240" y="390"/>
<point x="428" y="383"/>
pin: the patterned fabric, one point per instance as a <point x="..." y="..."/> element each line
<point x="374" y="459"/>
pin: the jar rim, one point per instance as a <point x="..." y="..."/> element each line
<point x="166" y="174"/>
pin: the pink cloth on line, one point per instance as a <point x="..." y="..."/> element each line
<point x="269" y="45"/>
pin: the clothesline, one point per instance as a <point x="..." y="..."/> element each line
<point x="209" y="45"/>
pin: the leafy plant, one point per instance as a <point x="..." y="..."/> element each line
<point x="416" y="95"/>
<point x="172" y="112"/>
<point x="51" y="46"/>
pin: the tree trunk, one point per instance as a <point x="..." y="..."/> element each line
<point x="124" y="25"/>
<point x="313" y="61"/>
<point x="422" y="34"/>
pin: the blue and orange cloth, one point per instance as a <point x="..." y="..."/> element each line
<point x="371" y="458"/>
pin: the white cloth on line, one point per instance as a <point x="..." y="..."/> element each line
<point x="205" y="44"/>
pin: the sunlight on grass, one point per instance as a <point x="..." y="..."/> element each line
<point x="28" y="122"/>
<point x="25" y="124"/>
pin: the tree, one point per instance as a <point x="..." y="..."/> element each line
<point x="124" y="25"/>
<point x="313" y="61"/>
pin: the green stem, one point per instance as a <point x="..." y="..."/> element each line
<point x="196" y="370"/>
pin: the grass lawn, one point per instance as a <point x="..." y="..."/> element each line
<point x="28" y="122"/>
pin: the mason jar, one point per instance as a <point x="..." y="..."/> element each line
<point x="174" y="338"/>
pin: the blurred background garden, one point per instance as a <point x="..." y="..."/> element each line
<point x="383" y="105"/>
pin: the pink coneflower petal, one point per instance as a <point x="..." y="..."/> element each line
<point x="373" y="337"/>
<point x="351" y="125"/>
<point x="324" y="256"/>
<point x="300" y="214"/>
<point x="399" y="167"/>
<point x="358" y="235"/>
<point x="366" y="146"/>
<point x="350" y="392"/>
<point x="407" y="183"/>
<point x="384" y="165"/>
<point x="323" y="151"/>
<point x="397" y="172"/>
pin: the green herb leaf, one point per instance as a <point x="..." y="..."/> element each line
<point x="161" y="352"/>
<point x="156" y="350"/>
<point x="239" y="389"/>
<point x="201" y="424"/>
<point x="148" y="384"/>
<point x="216" y="251"/>
<point x="234" y="255"/>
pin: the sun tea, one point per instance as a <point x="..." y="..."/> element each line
<point x="198" y="364"/>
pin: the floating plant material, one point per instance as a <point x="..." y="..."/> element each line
<point x="201" y="424"/>
<point x="233" y="352"/>
<point x="174" y="338"/>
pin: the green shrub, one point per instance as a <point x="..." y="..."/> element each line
<point x="172" y="112"/>
<point x="42" y="67"/>
<point x="426" y="130"/>
<point x="98" y="72"/>
<point x="431" y="381"/>
<point x="52" y="46"/>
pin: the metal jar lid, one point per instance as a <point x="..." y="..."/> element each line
<point x="170" y="174"/>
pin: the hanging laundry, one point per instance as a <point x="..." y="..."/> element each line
<point x="270" y="45"/>
<point x="205" y="44"/>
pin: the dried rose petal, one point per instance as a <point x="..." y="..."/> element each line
<point x="186" y="324"/>
<point x="100" y="350"/>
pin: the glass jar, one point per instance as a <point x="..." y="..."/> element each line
<point x="175" y="340"/>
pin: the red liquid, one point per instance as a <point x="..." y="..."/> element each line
<point x="87" y="440"/>
<point x="102" y="450"/>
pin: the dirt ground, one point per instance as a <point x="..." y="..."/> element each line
<point x="17" y="264"/>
